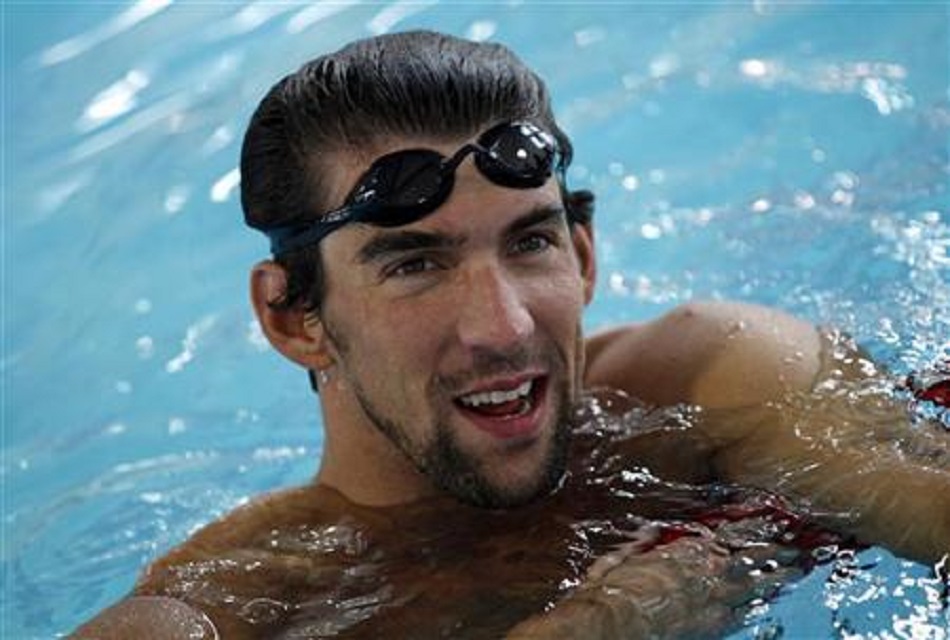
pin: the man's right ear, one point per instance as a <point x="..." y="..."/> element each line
<point x="296" y="334"/>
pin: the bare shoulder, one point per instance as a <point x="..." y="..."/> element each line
<point x="163" y="604"/>
<point x="247" y="527"/>
<point x="148" y="617"/>
<point x="717" y="354"/>
<point x="157" y="607"/>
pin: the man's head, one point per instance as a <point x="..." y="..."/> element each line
<point x="415" y="84"/>
<point x="454" y="333"/>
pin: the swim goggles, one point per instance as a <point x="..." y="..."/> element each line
<point x="405" y="186"/>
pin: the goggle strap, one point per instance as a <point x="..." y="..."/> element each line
<point x="291" y="238"/>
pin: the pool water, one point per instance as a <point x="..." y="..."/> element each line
<point x="787" y="154"/>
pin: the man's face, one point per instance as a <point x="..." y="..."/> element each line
<point x="458" y="336"/>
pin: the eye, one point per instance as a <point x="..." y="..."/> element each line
<point x="532" y="243"/>
<point x="410" y="267"/>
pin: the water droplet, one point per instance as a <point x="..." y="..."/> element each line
<point x="114" y="101"/>
<point x="145" y="347"/>
<point x="842" y="197"/>
<point x="176" y="426"/>
<point x="754" y="68"/>
<point x="664" y="65"/>
<point x="650" y="231"/>
<point x="481" y="30"/>
<point x="617" y="283"/>
<point x="151" y="497"/>
<point x="224" y="187"/>
<point x="115" y="429"/>
<point x="143" y="306"/>
<point x="255" y="336"/>
<point x="589" y="36"/>
<point x="845" y="180"/>
<point x="736" y="328"/>
<point x="804" y="200"/>
<point x="263" y="610"/>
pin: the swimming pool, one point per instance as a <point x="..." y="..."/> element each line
<point x="787" y="154"/>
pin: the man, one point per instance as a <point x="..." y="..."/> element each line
<point x="430" y="270"/>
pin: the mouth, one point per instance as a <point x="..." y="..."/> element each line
<point x="506" y="409"/>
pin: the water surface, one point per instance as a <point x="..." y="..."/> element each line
<point x="787" y="154"/>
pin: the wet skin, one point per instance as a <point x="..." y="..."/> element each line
<point x="310" y="562"/>
<point x="484" y="296"/>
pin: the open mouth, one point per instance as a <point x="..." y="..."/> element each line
<point x="506" y="410"/>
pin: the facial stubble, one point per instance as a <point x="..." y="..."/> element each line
<point x="444" y="461"/>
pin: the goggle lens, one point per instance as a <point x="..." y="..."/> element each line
<point x="517" y="155"/>
<point x="398" y="188"/>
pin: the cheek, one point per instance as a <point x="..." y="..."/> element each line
<point x="393" y="346"/>
<point x="564" y="295"/>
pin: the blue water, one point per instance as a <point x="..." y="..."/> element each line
<point x="789" y="154"/>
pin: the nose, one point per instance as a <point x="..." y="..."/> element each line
<point x="493" y="313"/>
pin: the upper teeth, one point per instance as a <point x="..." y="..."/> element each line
<point x="496" y="397"/>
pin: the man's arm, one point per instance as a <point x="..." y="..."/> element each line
<point x="787" y="411"/>
<point x="693" y="587"/>
<point x="847" y="449"/>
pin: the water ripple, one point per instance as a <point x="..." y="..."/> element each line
<point x="141" y="121"/>
<point x="251" y="17"/>
<point x="115" y="100"/>
<point x="395" y="13"/>
<point x="78" y="45"/>
<point x="316" y="12"/>
<point x="193" y="336"/>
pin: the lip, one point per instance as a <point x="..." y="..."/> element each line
<point x="510" y="428"/>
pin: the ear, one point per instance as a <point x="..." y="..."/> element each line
<point x="582" y="235"/>
<point x="296" y="334"/>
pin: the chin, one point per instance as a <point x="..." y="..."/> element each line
<point x="483" y="489"/>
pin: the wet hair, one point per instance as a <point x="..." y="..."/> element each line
<point x="411" y="84"/>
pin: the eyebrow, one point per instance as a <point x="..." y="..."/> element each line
<point x="543" y="215"/>
<point x="403" y="241"/>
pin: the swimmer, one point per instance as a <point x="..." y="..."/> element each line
<point x="488" y="471"/>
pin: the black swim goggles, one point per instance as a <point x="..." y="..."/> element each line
<point x="405" y="186"/>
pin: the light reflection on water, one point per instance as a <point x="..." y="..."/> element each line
<point x="790" y="155"/>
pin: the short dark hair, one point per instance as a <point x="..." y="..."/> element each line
<point x="417" y="83"/>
